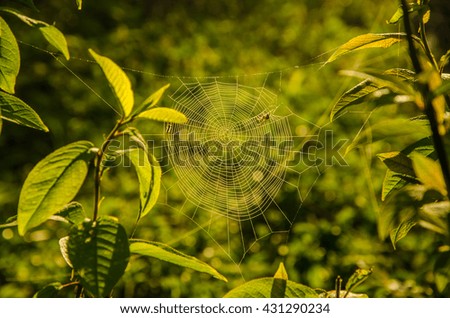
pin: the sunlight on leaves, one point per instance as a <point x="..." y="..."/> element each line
<point x="15" y="110"/>
<point x="52" y="183"/>
<point x="262" y="288"/>
<point x="9" y="58"/>
<point x="168" y="115"/>
<point x="118" y="80"/>
<point x="151" y="101"/>
<point x="166" y="253"/>
<point x="366" y="41"/>
<point x="149" y="176"/>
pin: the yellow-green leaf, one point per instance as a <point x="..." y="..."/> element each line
<point x="149" y="175"/>
<point x="429" y="173"/>
<point x="52" y="183"/>
<point x="9" y="58"/>
<point x="168" y="115"/>
<point x="366" y="41"/>
<point x="151" y="101"/>
<point x="55" y="38"/>
<point x="118" y="80"/>
<point x="166" y="253"/>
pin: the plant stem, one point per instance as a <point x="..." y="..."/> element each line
<point x="98" y="167"/>
<point x="426" y="94"/>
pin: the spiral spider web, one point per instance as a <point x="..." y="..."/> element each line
<point x="237" y="161"/>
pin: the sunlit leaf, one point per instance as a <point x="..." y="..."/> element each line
<point x="49" y="291"/>
<point x="79" y="4"/>
<point x="443" y="61"/>
<point x="166" y="253"/>
<point x="50" y="32"/>
<point x="99" y="252"/>
<point x="429" y="173"/>
<point x="118" y="81"/>
<point x="424" y="11"/>
<point x="279" y="283"/>
<point x="365" y="41"/>
<point x="151" y="101"/>
<point x="55" y="38"/>
<point x="149" y="175"/>
<point x="164" y="114"/>
<point x="15" y="110"/>
<point x="262" y="288"/>
<point x="52" y="183"/>
<point x="9" y="58"/>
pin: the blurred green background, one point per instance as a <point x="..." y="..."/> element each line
<point x="168" y="41"/>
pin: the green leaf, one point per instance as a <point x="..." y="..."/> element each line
<point x="118" y="81"/>
<point x="383" y="130"/>
<point x="73" y="212"/>
<point x="164" y="114"/>
<point x="397" y="162"/>
<point x="443" y="61"/>
<point x="424" y="12"/>
<point x="15" y="110"/>
<point x="401" y="171"/>
<point x="55" y="38"/>
<point x="368" y="91"/>
<point x="9" y="58"/>
<point x="151" y="101"/>
<point x="279" y="282"/>
<point x="149" y="175"/>
<point x="262" y="288"/>
<point x="166" y="253"/>
<point x="49" y="291"/>
<point x="357" y="278"/>
<point x="79" y="4"/>
<point x="429" y="173"/>
<point x="52" y="183"/>
<point x="366" y="41"/>
<point x="99" y="253"/>
<point x="402" y="230"/>
<point x="50" y="32"/>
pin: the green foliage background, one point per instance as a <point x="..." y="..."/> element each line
<point x="336" y="230"/>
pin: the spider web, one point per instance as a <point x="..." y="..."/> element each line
<point x="237" y="161"/>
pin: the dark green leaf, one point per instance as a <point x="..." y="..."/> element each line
<point x="99" y="253"/>
<point x="118" y="81"/>
<point x="73" y="212"/>
<point x="49" y="291"/>
<point x="164" y="114"/>
<point x="9" y="58"/>
<point x="262" y="288"/>
<point x="15" y="110"/>
<point x="52" y="183"/>
<point x="365" y="41"/>
<point x="166" y="253"/>
<point x="149" y="175"/>
<point x="398" y="162"/>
